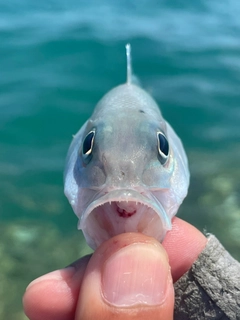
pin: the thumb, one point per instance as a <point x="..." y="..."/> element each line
<point x="128" y="277"/>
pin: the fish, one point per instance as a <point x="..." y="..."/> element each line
<point x="126" y="168"/>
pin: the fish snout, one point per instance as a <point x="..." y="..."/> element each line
<point x="122" y="173"/>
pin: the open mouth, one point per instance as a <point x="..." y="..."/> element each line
<point x="121" y="211"/>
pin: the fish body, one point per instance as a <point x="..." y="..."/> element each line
<point x="126" y="169"/>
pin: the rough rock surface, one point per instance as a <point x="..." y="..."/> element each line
<point x="211" y="288"/>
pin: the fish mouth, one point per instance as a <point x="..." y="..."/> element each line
<point x="120" y="211"/>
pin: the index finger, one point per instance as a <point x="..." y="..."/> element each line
<point x="183" y="244"/>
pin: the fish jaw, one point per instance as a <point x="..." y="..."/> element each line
<point x="120" y="211"/>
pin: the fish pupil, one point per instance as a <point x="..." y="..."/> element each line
<point x="88" y="143"/>
<point x="163" y="147"/>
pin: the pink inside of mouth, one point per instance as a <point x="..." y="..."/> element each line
<point x="126" y="209"/>
<point x="124" y="214"/>
<point x="115" y="217"/>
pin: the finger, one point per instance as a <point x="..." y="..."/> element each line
<point x="128" y="277"/>
<point x="54" y="295"/>
<point x="183" y="244"/>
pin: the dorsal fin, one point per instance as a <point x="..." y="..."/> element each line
<point x="129" y="63"/>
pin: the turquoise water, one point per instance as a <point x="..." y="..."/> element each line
<point x="57" y="58"/>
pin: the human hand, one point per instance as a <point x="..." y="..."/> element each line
<point x="128" y="277"/>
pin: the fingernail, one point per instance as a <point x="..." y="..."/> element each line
<point x="136" y="274"/>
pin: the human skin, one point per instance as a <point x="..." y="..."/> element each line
<point x="129" y="276"/>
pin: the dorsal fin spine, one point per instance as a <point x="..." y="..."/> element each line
<point x="129" y="63"/>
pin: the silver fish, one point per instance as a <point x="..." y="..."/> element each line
<point x="126" y="169"/>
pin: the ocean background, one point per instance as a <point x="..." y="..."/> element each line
<point x="57" y="59"/>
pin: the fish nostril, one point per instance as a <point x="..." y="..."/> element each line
<point x="123" y="173"/>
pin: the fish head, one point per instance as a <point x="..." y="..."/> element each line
<point x="126" y="168"/>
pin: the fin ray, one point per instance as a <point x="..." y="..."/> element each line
<point x="129" y="63"/>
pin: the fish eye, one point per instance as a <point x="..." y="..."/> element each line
<point x="88" y="145"/>
<point x="163" y="147"/>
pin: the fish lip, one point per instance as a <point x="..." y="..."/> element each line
<point x="146" y="198"/>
